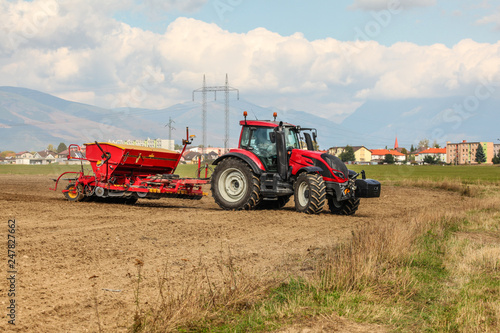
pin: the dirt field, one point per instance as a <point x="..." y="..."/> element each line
<point x="69" y="253"/>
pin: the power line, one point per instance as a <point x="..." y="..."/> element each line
<point x="170" y="127"/>
<point x="204" y="89"/>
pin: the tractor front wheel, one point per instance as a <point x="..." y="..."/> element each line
<point x="310" y="193"/>
<point x="74" y="192"/>
<point x="345" y="207"/>
<point x="235" y="186"/>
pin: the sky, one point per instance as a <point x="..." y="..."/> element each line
<point x="324" y="57"/>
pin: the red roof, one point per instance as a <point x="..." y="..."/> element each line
<point x="433" y="151"/>
<point x="383" y="152"/>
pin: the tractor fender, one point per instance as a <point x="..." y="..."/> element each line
<point x="255" y="167"/>
<point x="310" y="169"/>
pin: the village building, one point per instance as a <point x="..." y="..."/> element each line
<point x="378" y="155"/>
<point x="44" y="157"/>
<point x="24" y="157"/>
<point x="465" y="152"/>
<point x="436" y="153"/>
<point x="361" y="153"/>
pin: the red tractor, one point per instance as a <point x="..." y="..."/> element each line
<point x="270" y="165"/>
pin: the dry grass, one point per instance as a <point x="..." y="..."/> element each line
<point x="469" y="190"/>
<point x="204" y="297"/>
<point x="435" y="270"/>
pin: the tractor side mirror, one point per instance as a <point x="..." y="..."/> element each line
<point x="272" y="137"/>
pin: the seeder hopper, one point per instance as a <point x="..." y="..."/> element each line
<point x="125" y="173"/>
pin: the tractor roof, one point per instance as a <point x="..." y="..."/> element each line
<point x="263" y="123"/>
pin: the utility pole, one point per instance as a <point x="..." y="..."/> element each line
<point x="170" y="128"/>
<point x="204" y="89"/>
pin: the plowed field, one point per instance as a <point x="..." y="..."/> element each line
<point x="76" y="261"/>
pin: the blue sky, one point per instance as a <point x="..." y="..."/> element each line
<point x="329" y="58"/>
<point x="446" y="21"/>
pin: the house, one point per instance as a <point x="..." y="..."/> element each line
<point x="465" y="152"/>
<point x="378" y="155"/>
<point x="8" y="160"/>
<point x="44" y="157"/>
<point x="191" y="157"/>
<point x="24" y="157"/>
<point x="212" y="156"/>
<point x="361" y="153"/>
<point x="219" y="151"/>
<point x="437" y="153"/>
<point x="62" y="157"/>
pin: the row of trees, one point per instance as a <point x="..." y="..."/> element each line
<point x="62" y="147"/>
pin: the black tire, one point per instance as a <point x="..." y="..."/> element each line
<point x="235" y="186"/>
<point x="345" y="207"/>
<point x="310" y="193"/>
<point x="279" y="203"/>
<point x="131" y="200"/>
<point x="75" y="193"/>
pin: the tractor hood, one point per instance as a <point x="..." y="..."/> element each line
<point x="336" y="164"/>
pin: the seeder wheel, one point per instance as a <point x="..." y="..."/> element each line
<point x="75" y="193"/>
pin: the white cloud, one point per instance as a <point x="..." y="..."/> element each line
<point x="84" y="54"/>
<point x="390" y="4"/>
<point x="168" y="5"/>
<point x="493" y="18"/>
<point x="412" y="112"/>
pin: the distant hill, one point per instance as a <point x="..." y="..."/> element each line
<point x="440" y="119"/>
<point x="30" y="120"/>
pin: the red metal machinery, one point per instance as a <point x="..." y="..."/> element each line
<point x="126" y="173"/>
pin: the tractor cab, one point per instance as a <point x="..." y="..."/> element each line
<point x="259" y="137"/>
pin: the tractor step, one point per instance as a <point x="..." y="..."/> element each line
<point x="271" y="185"/>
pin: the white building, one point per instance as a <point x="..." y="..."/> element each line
<point x="24" y="157"/>
<point x="43" y="157"/>
<point x="437" y="153"/>
<point x="151" y="143"/>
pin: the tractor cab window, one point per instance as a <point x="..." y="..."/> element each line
<point x="258" y="140"/>
<point x="291" y="138"/>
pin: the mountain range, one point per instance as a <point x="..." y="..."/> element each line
<point x="30" y="120"/>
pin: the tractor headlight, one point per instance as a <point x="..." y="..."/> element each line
<point x="338" y="174"/>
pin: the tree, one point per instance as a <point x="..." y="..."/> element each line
<point x="8" y="153"/>
<point x="412" y="149"/>
<point x="435" y="144"/>
<point x="347" y="154"/>
<point x="50" y="147"/>
<point x="424" y="143"/>
<point x="178" y="147"/>
<point x="389" y="159"/>
<point x="404" y="151"/>
<point x="496" y="158"/>
<point x="62" y="147"/>
<point x="429" y="159"/>
<point x="480" y="156"/>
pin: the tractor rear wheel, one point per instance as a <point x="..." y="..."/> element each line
<point x="75" y="192"/>
<point x="310" y="193"/>
<point x="345" y="207"/>
<point x="235" y="186"/>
